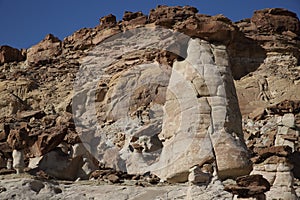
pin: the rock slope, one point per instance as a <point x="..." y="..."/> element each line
<point x="175" y="96"/>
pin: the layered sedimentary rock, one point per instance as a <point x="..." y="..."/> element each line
<point x="201" y="92"/>
<point x="156" y="93"/>
<point x="277" y="31"/>
<point x="156" y="116"/>
<point x="274" y="148"/>
<point x="45" y="51"/>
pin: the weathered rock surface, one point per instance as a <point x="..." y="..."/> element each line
<point x="197" y="94"/>
<point x="277" y="31"/>
<point x="212" y="113"/>
<point x="45" y="51"/>
<point x="276" y="20"/>
<point x="26" y="188"/>
<point x="10" y="54"/>
<point x="249" y="186"/>
<point x="159" y="102"/>
<point x="22" y="188"/>
<point x="132" y="20"/>
<point x="60" y="165"/>
<point x="274" y="145"/>
<point x="168" y="16"/>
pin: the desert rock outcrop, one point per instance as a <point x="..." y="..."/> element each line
<point x="174" y="96"/>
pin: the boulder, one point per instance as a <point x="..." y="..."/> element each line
<point x="253" y="180"/>
<point x="60" y="165"/>
<point x="249" y="186"/>
<point x="48" y="140"/>
<point x="19" y="139"/>
<point x="197" y="176"/>
<point x="264" y="153"/>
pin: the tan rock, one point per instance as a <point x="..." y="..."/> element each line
<point x="89" y="163"/>
<point x="79" y="40"/>
<point x="281" y="193"/>
<point x="113" y="178"/>
<point x="284" y="179"/>
<point x="45" y="51"/>
<point x="197" y="176"/>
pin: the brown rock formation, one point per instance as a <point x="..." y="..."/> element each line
<point x="10" y="54"/>
<point x="249" y="186"/>
<point x="131" y="20"/>
<point x="45" y="51"/>
<point x="108" y="21"/>
<point x="276" y="20"/>
<point x="168" y="16"/>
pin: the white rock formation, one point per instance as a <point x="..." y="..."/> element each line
<point x="18" y="161"/>
<point x="153" y="117"/>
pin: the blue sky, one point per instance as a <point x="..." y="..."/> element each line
<point x="25" y="22"/>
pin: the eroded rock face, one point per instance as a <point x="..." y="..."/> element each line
<point x="212" y="28"/>
<point x="168" y="16"/>
<point x="275" y="155"/>
<point x="45" y="51"/>
<point x="277" y="32"/>
<point x="10" y="54"/>
<point x="163" y="104"/>
<point x="131" y="20"/>
<point x="276" y="20"/>
<point x="152" y="117"/>
<point x="108" y="21"/>
<point x="79" y="40"/>
<point x="203" y="99"/>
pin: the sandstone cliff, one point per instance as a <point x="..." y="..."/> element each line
<point x="175" y="96"/>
